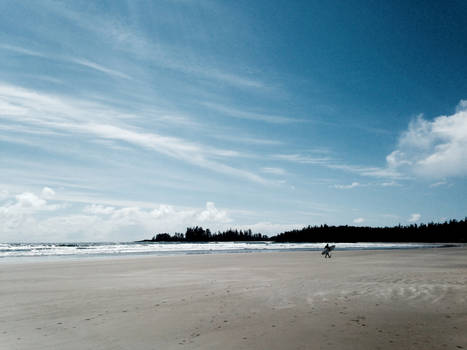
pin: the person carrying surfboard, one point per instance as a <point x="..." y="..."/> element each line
<point x="327" y="249"/>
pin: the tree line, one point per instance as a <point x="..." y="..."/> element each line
<point x="199" y="234"/>
<point x="450" y="231"/>
<point x="454" y="231"/>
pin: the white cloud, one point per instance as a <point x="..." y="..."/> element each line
<point x="29" y="200"/>
<point x="98" y="209"/>
<point x="390" y="184"/>
<point x="358" y="220"/>
<point x="31" y="218"/>
<point x="461" y="106"/>
<point x="344" y="187"/>
<point x="212" y="214"/>
<point x="434" y="149"/>
<point x="25" y="205"/>
<point x="47" y="193"/>
<point x="414" y="217"/>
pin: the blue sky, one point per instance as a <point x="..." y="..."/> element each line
<point x="119" y="119"/>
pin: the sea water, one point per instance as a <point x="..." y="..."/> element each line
<point x="45" y="251"/>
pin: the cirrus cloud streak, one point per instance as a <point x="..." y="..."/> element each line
<point x="49" y="112"/>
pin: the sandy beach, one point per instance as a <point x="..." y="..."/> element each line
<point x="397" y="299"/>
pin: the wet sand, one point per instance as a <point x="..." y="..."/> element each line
<point x="399" y="299"/>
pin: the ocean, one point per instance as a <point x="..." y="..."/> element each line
<point x="46" y="251"/>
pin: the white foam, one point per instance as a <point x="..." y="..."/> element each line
<point x="98" y="249"/>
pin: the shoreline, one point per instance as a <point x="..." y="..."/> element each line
<point x="45" y="252"/>
<point x="370" y="299"/>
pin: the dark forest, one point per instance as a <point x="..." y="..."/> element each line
<point x="453" y="231"/>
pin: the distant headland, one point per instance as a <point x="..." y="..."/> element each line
<point x="453" y="231"/>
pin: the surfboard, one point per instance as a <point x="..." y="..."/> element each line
<point x="329" y="249"/>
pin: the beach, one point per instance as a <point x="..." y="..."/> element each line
<point x="373" y="299"/>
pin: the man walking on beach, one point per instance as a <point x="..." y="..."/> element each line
<point x="326" y="251"/>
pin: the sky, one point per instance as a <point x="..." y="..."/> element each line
<point x="121" y="119"/>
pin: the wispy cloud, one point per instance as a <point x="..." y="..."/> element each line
<point x="331" y="163"/>
<point x="391" y="216"/>
<point x="358" y="220"/>
<point x="390" y="184"/>
<point x="238" y="113"/>
<point x="273" y="171"/>
<point x="367" y="171"/>
<point x="78" y="61"/>
<point x="21" y="50"/>
<point x="71" y="116"/>
<point x="248" y="140"/>
<point x="303" y="159"/>
<point x="98" y="67"/>
<point x="346" y="187"/>
<point x="439" y="183"/>
<point x="136" y="43"/>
